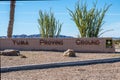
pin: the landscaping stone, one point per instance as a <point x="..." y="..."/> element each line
<point x="23" y="56"/>
<point x="10" y="52"/>
<point x="69" y="53"/>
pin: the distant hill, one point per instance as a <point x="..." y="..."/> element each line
<point x="33" y="36"/>
<point x="38" y="36"/>
<point x="116" y="38"/>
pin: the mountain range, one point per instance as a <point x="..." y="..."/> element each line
<point x="38" y="36"/>
<point x="33" y="36"/>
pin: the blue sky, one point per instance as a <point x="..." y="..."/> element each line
<point x="27" y="13"/>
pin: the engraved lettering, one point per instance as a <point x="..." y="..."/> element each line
<point x="87" y="42"/>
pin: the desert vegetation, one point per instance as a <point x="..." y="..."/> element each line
<point x="88" y="22"/>
<point x="49" y="26"/>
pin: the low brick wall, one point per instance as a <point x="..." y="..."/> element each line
<point x="59" y="44"/>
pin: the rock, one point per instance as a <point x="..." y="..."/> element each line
<point x="0" y="52"/>
<point x="23" y="56"/>
<point x="10" y="52"/>
<point x="69" y="53"/>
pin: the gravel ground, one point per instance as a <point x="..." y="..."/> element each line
<point x="91" y="72"/>
<point x="109" y="71"/>
<point x="40" y="57"/>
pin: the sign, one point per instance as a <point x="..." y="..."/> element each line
<point x="109" y="43"/>
<point x="59" y="44"/>
<point x="87" y="42"/>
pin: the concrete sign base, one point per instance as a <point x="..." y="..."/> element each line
<point x="59" y="44"/>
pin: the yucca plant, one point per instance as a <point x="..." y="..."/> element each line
<point x="48" y="25"/>
<point x="89" y="22"/>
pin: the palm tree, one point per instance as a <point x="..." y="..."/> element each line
<point x="11" y="21"/>
<point x="89" y="22"/>
<point x="49" y="26"/>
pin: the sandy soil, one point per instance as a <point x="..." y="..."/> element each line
<point x="92" y="72"/>
<point x="40" y="57"/>
<point x="109" y="71"/>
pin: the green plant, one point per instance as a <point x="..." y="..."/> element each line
<point x="49" y="26"/>
<point x="89" y="22"/>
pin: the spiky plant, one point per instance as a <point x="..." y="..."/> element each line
<point x="89" y="22"/>
<point x="48" y="25"/>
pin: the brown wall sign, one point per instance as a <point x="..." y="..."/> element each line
<point x="51" y="42"/>
<point x="59" y="44"/>
<point x="109" y="43"/>
<point x="20" y="42"/>
<point x="87" y="42"/>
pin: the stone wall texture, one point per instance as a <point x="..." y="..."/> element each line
<point x="59" y="44"/>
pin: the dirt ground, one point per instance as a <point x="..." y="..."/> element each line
<point x="91" y="72"/>
<point x="108" y="71"/>
<point x="40" y="57"/>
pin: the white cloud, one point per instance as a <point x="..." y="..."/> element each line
<point x="21" y="2"/>
<point x="116" y="25"/>
<point x="115" y="30"/>
<point x="113" y="14"/>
